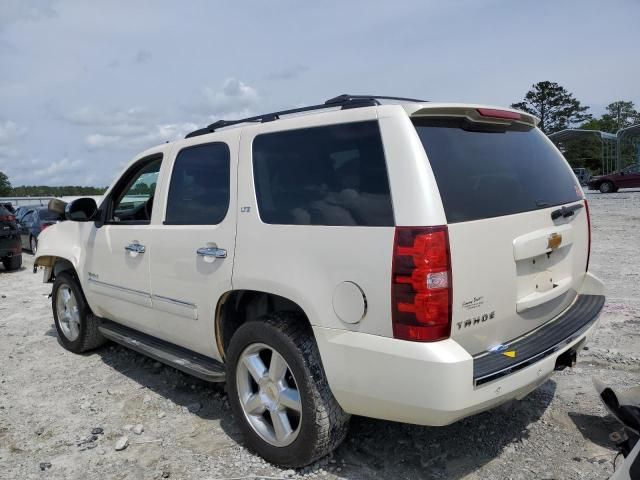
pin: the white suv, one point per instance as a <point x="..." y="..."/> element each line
<point x="417" y="262"/>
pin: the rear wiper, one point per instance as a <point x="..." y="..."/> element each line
<point x="565" y="211"/>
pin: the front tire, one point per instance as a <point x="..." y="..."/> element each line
<point x="12" y="263"/>
<point x="279" y="392"/>
<point x="606" y="187"/>
<point x="77" y="326"/>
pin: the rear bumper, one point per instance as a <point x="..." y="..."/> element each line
<point x="546" y="340"/>
<point x="433" y="383"/>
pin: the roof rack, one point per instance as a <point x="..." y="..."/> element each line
<point x="344" y="101"/>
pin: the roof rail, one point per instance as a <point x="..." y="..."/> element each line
<point x="346" y="97"/>
<point x="345" y="101"/>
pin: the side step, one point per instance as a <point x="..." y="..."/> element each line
<point x="177" y="357"/>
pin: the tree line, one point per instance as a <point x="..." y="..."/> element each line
<point x="6" y="190"/>
<point x="558" y="109"/>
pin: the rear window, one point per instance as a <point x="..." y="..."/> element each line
<point x="485" y="171"/>
<point x="330" y="175"/>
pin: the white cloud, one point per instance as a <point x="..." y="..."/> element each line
<point x="13" y="11"/>
<point x="235" y="98"/>
<point x="122" y="137"/>
<point x="38" y="171"/>
<point x="10" y="132"/>
<point x="93" y="116"/>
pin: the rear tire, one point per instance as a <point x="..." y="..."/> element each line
<point x="77" y="326"/>
<point x="12" y="263"/>
<point x="321" y="424"/>
<point x="606" y="187"/>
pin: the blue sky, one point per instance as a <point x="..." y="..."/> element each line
<point x="86" y="85"/>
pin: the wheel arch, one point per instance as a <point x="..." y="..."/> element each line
<point x="53" y="266"/>
<point x="236" y="307"/>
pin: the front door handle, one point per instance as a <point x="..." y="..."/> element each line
<point x="212" y="252"/>
<point x="135" y="248"/>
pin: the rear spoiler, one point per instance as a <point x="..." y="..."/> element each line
<point x="479" y="114"/>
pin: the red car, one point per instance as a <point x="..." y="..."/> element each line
<point x="628" y="177"/>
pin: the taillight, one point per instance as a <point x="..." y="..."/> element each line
<point x="7" y="218"/>
<point x="586" y="207"/>
<point x="421" y="284"/>
<point x="495" y="113"/>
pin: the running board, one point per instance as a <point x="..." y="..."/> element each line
<point x="175" y="356"/>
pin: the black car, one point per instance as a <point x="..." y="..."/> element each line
<point x="35" y="221"/>
<point x="8" y="206"/>
<point x="10" y="246"/>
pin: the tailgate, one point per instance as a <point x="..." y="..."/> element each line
<point x="512" y="274"/>
<point x="518" y="227"/>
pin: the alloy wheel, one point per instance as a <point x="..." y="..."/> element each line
<point x="68" y="313"/>
<point x="269" y="394"/>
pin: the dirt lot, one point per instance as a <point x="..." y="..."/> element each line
<point x="51" y="400"/>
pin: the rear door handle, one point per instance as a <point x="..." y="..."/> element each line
<point x="212" y="252"/>
<point x="135" y="248"/>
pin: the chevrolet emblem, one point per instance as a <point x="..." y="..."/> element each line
<point x="554" y="241"/>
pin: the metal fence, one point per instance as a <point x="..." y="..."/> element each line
<point x="20" y="201"/>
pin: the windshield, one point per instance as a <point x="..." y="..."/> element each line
<point x="487" y="170"/>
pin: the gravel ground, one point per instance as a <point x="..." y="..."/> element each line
<point x="63" y="415"/>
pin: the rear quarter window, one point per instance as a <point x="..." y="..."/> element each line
<point x="330" y="175"/>
<point x="485" y="171"/>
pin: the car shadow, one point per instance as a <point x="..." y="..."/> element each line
<point x="596" y="428"/>
<point x="373" y="448"/>
<point x="4" y="271"/>
<point x="393" y="450"/>
<point x="205" y="400"/>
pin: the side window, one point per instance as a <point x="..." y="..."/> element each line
<point x="28" y="218"/>
<point x="199" y="189"/>
<point x="331" y="175"/>
<point x="133" y="200"/>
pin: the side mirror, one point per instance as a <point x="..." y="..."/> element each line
<point x="81" y="210"/>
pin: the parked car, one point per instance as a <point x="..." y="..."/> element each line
<point x="33" y="222"/>
<point x="628" y="177"/>
<point x="583" y="175"/>
<point x="8" y="206"/>
<point x="415" y="262"/>
<point x="22" y="210"/>
<point x="10" y="248"/>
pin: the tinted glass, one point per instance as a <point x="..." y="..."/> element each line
<point x="199" y="190"/>
<point x="135" y="202"/>
<point x="4" y="212"/>
<point x="46" y="214"/>
<point x="332" y="175"/>
<point x="486" y="171"/>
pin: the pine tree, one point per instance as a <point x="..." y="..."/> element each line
<point x="556" y="108"/>
<point x="5" y="185"/>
